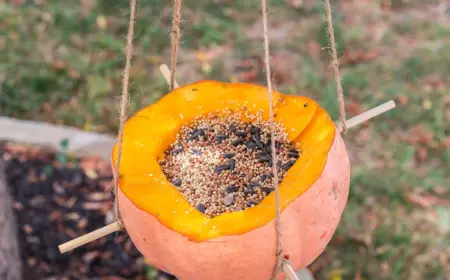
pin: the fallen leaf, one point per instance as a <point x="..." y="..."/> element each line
<point x="402" y="99"/>
<point x="422" y="154"/>
<point x="102" y="22"/>
<point x="313" y="48"/>
<point x="447" y="142"/>
<point x="426" y="104"/>
<point x="294" y="3"/>
<point x="418" y="200"/>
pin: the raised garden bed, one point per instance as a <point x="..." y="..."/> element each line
<point x="57" y="198"/>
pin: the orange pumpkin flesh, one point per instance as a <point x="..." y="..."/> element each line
<point x="146" y="193"/>
<point x="150" y="132"/>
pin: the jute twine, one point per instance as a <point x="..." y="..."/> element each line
<point x="175" y="37"/>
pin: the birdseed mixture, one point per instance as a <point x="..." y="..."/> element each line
<point x="221" y="164"/>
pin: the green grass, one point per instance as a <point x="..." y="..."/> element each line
<point x="62" y="65"/>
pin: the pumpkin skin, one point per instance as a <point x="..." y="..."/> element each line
<point x="178" y="239"/>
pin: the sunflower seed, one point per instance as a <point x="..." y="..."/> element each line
<point x="255" y="130"/>
<point x="221" y="168"/>
<point x="250" y="145"/>
<point x="177" y="150"/>
<point x="231" y="189"/>
<point x="232" y="164"/>
<point x="220" y="138"/>
<point x="241" y="133"/>
<point x="287" y="165"/>
<point x="267" y="190"/>
<point x="258" y="143"/>
<point x="250" y="203"/>
<point x="293" y="153"/>
<point x="177" y="182"/>
<point x="201" y="207"/>
<point x="264" y="158"/>
<point x="237" y="142"/>
<point x="228" y="155"/>
<point x="248" y="190"/>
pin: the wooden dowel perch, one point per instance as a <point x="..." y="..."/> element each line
<point x="165" y="71"/>
<point x="290" y="273"/>
<point x="367" y="115"/>
<point x="94" y="235"/>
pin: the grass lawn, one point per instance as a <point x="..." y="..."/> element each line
<point x="62" y="61"/>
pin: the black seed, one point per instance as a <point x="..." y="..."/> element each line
<point x="177" y="150"/>
<point x="201" y="208"/>
<point x="264" y="159"/>
<point x="293" y="153"/>
<point x="231" y="189"/>
<point x="305" y="105"/>
<point x="237" y="142"/>
<point x="250" y="203"/>
<point x="220" y="138"/>
<point x="250" y="145"/>
<point x="232" y="128"/>
<point x="177" y="182"/>
<point x="262" y="154"/>
<point x="195" y="89"/>
<point x="228" y="155"/>
<point x="232" y="164"/>
<point x="258" y="143"/>
<point x="220" y="168"/>
<point x="277" y="144"/>
<point x="196" y="133"/>
<point x="254" y="184"/>
<point x="241" y="133"/>
<point x="255" y="130"/>
<point x="267" y="190"/>
<point x="248" y="190"/>
<point x="287" y="165"/>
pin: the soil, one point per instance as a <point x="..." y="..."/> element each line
<point x="56" y="199"/>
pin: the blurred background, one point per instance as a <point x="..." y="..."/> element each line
<point x="61" y="62"/>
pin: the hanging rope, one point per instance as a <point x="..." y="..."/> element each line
<point x="175" y="36"/>
<point x="280" y="257"/>
<point x="337" y="75"/>
<point x="124" y="104"/>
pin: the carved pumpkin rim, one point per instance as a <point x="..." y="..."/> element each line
<point x="149" y="132"/>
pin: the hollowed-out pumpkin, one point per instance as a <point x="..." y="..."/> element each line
<point x="179" y="239"/>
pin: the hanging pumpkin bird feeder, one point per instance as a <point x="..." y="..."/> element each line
<point x="229" y="180"/>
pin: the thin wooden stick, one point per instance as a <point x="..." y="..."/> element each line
<point x="367" y="115"/>
<point x="290" y="273"/>
<point x="166" y="74"/>
<point x="84" y="239"/>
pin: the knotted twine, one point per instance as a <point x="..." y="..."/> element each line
<point x="175" y="38"/>
<point x="175" y="35"/>
<point x="123" y="105"/>
<point x="281" y="260"/>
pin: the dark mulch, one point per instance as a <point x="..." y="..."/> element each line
<point x="56" y="199"/>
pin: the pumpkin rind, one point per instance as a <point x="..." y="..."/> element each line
<point x="150" y="132"/>
<point x="308" y="224"/>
